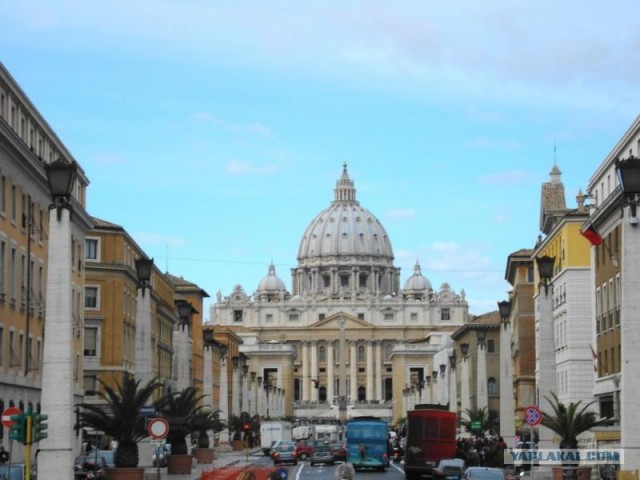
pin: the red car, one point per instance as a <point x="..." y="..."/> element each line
<point x="339" y="451"/>
<point x="304" y="448"/>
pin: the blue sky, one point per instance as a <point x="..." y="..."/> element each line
<point x="215" y="131"/>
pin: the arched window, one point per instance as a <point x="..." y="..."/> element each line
<point x="492" y="387"/>
<point x="361" y="354"/>
<point x="322" y="354"/>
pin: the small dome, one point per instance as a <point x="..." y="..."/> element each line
<point x="271" y="283"/>
<point x="417" y="281"/>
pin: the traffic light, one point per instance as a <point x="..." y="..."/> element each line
<point x="40" y="427"/>
<point x="246" y="427"/>
<point x="17" y="430"/>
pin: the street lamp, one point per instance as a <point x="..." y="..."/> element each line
<point x="185" y="310"/>
<point x="57" y="390"/>
<point x="504" y="307"/>
<point x="452" y="360"/>
<point x="443" y="369"/>
<point x="481" y="335"/>
<point x="464" y="349"/>
<point x="143" y="272"/>
<point x="628" y="171"/>
<point x="545" y="270"/>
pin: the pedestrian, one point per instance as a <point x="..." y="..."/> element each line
<point x="4" y="455"/>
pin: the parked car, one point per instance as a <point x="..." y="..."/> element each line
<point x="449" y="469"/>
<point x="339" y="451"/>
<point x="483" y="473"/>
<point x="90" y="467"/>
<point x="106" y="454"/>
<point x="16" y="471"/>
<point x="284" y="453"/>
<point x="322" y="454"/>
<point x="304" y="448"/>
<point x="276" y="443"/>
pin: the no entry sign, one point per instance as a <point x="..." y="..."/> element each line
<point x="158" y="428"/>
<point x="6" y="416"/>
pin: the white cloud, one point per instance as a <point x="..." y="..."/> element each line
<point x="251" y="128"/>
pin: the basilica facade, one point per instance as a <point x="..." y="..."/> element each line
<point x="348" y="336"/>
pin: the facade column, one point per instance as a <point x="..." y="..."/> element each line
<point x="453" y="385"/>
<point x="379" y="368"/>
<point x="314" y="371"/>
<point x="331" y="363"/>
<point x="354" y="371"/>
<point x="465" y="398"/>
<point x="545" y="360"/>
<point x="144" y="346"/>
<point x="370" y="383"/>
<point x="507" y="401"/>
<point x="481" y="374"/>
<point x="245" y="393"/>
<point x="224" y="396"/>
<point x="305" y="371"/>
<point x="235" y="391"/>
<point x="56" y="451"/>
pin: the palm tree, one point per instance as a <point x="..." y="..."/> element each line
<point x="180" y="409"/>
<point x="570" y="421"/>
<point x="118" y="416"/>
<point x="206" y="420"/>
<point x="487" y="419"/>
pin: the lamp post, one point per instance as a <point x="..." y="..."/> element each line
<point x="453" y="385"/>
<point x="245" y="388"/>
<point x="545" y="344"/>
<point x="235" y="389"/>
<point x="507" y="402"/>
<point x="442" y="386"/>
<point x="56" y="451"/>
<point x="628" y="171"/>
<point x="144" y="345"/>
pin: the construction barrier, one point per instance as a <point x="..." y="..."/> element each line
<point x="246" y="472"/>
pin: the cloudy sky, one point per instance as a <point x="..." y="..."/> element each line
<point x="214" y="132"/>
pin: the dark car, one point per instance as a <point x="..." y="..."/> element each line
<point x="322" y="454"/>
<point x="284" y="453"/>
<point x="90" y="467"/>
<point x="449" y="469"/>
<point x="339" y="451"/>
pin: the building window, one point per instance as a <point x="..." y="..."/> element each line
<point x="90" y="341"/>
<point x="361" y="354"/>
<point x="492" y="387"/>
<point x="3" y="268"/>
<point x="344" y="281"/>
<point x="14" y="204"/>
<point x="388" y="317"/>
<point x="414" y="317"/>
<point x="91" y="249"/>
<point x="90" y="297"/>
<point x="491" y="345"/>
<point x="293" y="317"/>
<point x="445" y="314"/>
<point x="326" y="281"/>
<point x="237" y="315"/>
<point x="1" y="344"/>
<point x="3" y="194"/>
<point x="322" y="354"/>
<point x="320" y="317"/>
<point x="90" y="384"/>
<point x="268" y="318"/>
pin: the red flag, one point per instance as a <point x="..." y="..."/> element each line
<point x="591" y="234"/>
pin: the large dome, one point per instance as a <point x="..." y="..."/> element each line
<point x="345" y="229"/>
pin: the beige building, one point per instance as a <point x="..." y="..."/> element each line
<point x="27" y="145"/>
<point x="348" y="334"/>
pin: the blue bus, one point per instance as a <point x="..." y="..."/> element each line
<point x="367" y="443"/>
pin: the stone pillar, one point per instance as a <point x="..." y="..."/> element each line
<point x="379" y="368"/>
<point x="630" y="339"/>
<point x="144" y="346"/>
<point x="244" y="391"/>
<point x="545" y="360"/>
<point x="235" y="392"/>
<point x="56" y="452"/>
<point x="305" y="372"/>
<point x="182" y="356"/>
<point x="370" y="383"/>
<point x="314" y="371"/>
<point x="465" y="398"/>
<point x="507" y="401"/>
<point x="207" y="382"/>
<point x="481" y="377"/>
<point x="453" y="389"/>
<point x="331" y="363"/>
<point x="354" y="371"/>
<point x="224" y="397"/>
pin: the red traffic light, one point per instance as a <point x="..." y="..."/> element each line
<point x="246" y="426"/>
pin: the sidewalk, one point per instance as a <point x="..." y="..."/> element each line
<point x="234" y="458"/>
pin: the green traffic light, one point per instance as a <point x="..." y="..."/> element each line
<point x="17" y="430"/>
<point x="40" y="427"/>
